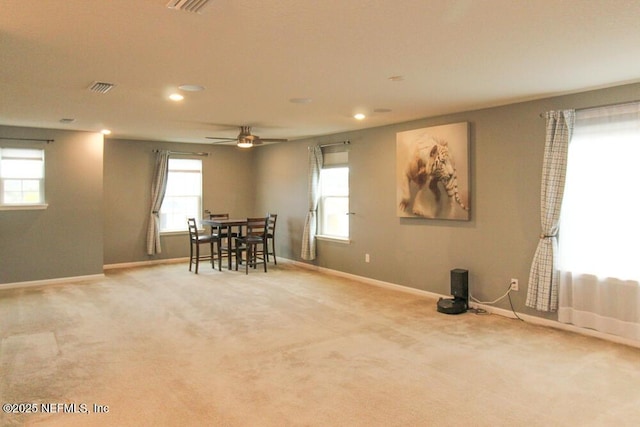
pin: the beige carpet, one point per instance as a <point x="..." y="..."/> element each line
<point x="159" y="346"/>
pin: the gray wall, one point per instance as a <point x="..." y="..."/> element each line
<point x="129" y="165"/>
<point x="86" y="226"/>
<point x="65" y="239"/>
<point x="497" y="244"/>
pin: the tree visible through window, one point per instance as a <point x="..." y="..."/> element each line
<point x="183" y="198"/>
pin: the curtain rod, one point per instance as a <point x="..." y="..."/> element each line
<point x="347" y="142"/>
<point x="601" y="106"/>
<point x="29" y="139"/>
<point x="185" y="153"/>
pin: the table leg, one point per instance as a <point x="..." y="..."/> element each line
<point x="229" y="240"/>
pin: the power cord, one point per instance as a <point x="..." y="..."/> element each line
<point x="483" y="311"/>
<point x="495" y="300"/>
<point x="514" y="312"/>
<point x="478" y="310"/>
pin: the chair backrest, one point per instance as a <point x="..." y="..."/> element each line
<point x="257" y="226"/>
<point x="218" y="231"/>
<point x="219" y="216"/>
<point x="193" y="228"/>
<point x="271" y="224"/>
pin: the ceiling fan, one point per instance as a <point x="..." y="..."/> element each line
<point x="245" y="139"/>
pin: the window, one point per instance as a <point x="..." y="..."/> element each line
<point x="599" y="229"/>
<point x="334" y="196"/>
<point x="183" y="198"/>
<point x="21" y="176"/>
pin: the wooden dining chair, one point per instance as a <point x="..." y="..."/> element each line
<point x="270" y="246"/>
<point x="252" y="244"/>
<point x="222" y="233"/>
<point x="219" y="231"/>
<point x="196" y="240"/>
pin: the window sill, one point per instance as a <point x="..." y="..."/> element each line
<point x="30" y="207"/>
<point x="177" y="232"/>
<point x="344" y="240"/>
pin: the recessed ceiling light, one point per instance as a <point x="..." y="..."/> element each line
<point x="300" y="100"/>
<point x="396" y="78"/>
<point x="191" y="88"/>
<point x="176" y="97"/>
<point x="105" y="132"/>
<point x="359" y="116"/>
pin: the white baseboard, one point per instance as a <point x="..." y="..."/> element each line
<point x="48" y="282"/>
<point x="371" y="281"/>
<point x="558" y="325"/>
<point x="144" y="263"/>
<point x="488" y="308"/>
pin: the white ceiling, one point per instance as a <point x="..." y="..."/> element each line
<point x="253" y="56"/>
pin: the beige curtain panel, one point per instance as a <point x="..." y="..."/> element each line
<point x="158" y="188"/>
<point x="309" y="234"/>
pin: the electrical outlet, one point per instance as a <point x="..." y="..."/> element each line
<point x="514" y="284"/>
<point x="367" y="258"/>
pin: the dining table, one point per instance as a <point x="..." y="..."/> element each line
<point x="227" y="225"/>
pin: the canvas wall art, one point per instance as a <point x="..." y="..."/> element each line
<point x="432" y="172"/>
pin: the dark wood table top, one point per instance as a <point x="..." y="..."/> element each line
<point x="224" y="222"/>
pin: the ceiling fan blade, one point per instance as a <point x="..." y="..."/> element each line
<point x="258" y="140"/>
<point x="245" y="135"/>
<point x="221" y="139"/>
<point x="274" y="139"/>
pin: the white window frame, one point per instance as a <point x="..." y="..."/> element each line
<point x="333" y="162"/>
<point x="27" y="171"/>
<point x="176" y="221"/>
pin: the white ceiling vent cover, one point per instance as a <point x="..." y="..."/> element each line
<point x="188" y="5"/>
<point x="101" y="87"/>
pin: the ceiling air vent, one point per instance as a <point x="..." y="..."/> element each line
<point x="101" y="87"/>
<point x="188" y="5"/>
